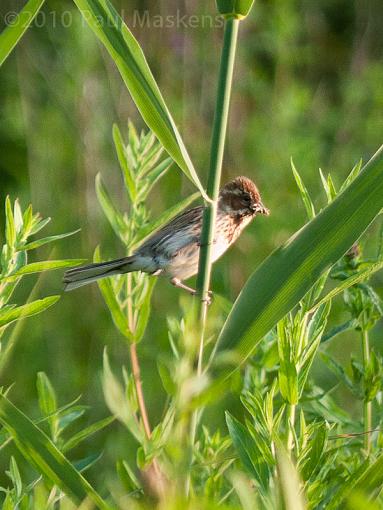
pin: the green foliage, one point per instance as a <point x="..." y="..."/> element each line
<point x="41" y="451"/>
<point x="13" y="33"/>
<point x="131" y="62"/>
<point x="19" y="227"/>
<point x="292" y="270"/>
<point x="128" y="297"/>
<point x="290" y="444"/>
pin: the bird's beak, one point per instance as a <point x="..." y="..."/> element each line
<point x="261" y="209"/>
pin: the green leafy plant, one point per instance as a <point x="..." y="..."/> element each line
<point x="13" y="33"/>
<point x="46" y="453"/>
<point x="290" y="445"/>
<point x="19" y="227"/>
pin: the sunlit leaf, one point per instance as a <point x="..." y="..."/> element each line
<point x="10" y="228"/>
<point x="113" y="215"/>
<point x="129" y="176"/>
<point x="250" y="457"/>
<point x="17" y="26"/>
<point x="10" y="315"/>
<point x="304" y="193"/>
<point x="46" y="240"/>
<point x="47" y="265"/>
<point x="131" y="62"/>
<point x="40" y="451"/>
<point x="286" y="275"/>
<point x="106" y="288"/>
<point x="48" y="402"/>
<point x="84" y="434"/>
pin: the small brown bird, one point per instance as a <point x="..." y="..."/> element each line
<point x="173" y="251"/>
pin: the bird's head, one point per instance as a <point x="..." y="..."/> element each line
<point x="241" y="197"/>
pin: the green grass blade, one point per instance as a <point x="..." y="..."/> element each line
<point x="39" y="450"/>
<point x="20" y="312"/>
<point x="127" y="54"/>
<point x="288" y="273"/>
<point x="14" y="32"/>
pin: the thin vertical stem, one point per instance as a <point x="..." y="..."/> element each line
<point x="138" y="385"/>
<point x="136" y="371"/>
<point x="216" y="158"/>
<point x="214" y="178"/>
<point x="290" y="422"/>
<point x="367" y="405"/>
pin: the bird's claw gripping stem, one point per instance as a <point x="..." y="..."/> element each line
<point x="177" y="283"/>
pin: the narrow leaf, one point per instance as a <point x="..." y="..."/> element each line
<point x="39" y="450"/>
<point x="246" y="449"/>
<point x="46" y="240"/>
<point x="33" y="308"/>
<point x="110" y="298"/>
<point x="47" y="265"/>
<point x="337" y="330"/>
<point x="16" y="28"/>
<point x="289" y="273"/>
<point x="10" y="228"/>
<point x="129" y="176"/>
<point x="48" y="402"/>
<point x="144" y="312"/>
<point x="87" y="432"/>
<point x="304" y="193"/>
<point x="127" y="54"/>
<point x="113" y="215"/>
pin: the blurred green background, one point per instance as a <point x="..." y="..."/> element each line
<point x="308" y="85"/>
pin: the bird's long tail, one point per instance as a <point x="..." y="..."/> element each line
<point x="79" y="276"/>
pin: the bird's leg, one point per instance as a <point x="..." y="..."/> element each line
<point x="177" y="283"/>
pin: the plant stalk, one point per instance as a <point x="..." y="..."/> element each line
<point x="136" y="371"/>
<point x="214" y="179"/>
<point x="367" y="405"/>
<point x="290" y="421"/>
<point x="216" y="158"/>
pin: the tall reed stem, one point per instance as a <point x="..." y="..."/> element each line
<point x="367" y="405"/>
<point x="213" y="185"/>
<point x="216" y="157"/>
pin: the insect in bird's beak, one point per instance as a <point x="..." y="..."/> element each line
<point x="260" y="208"/>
